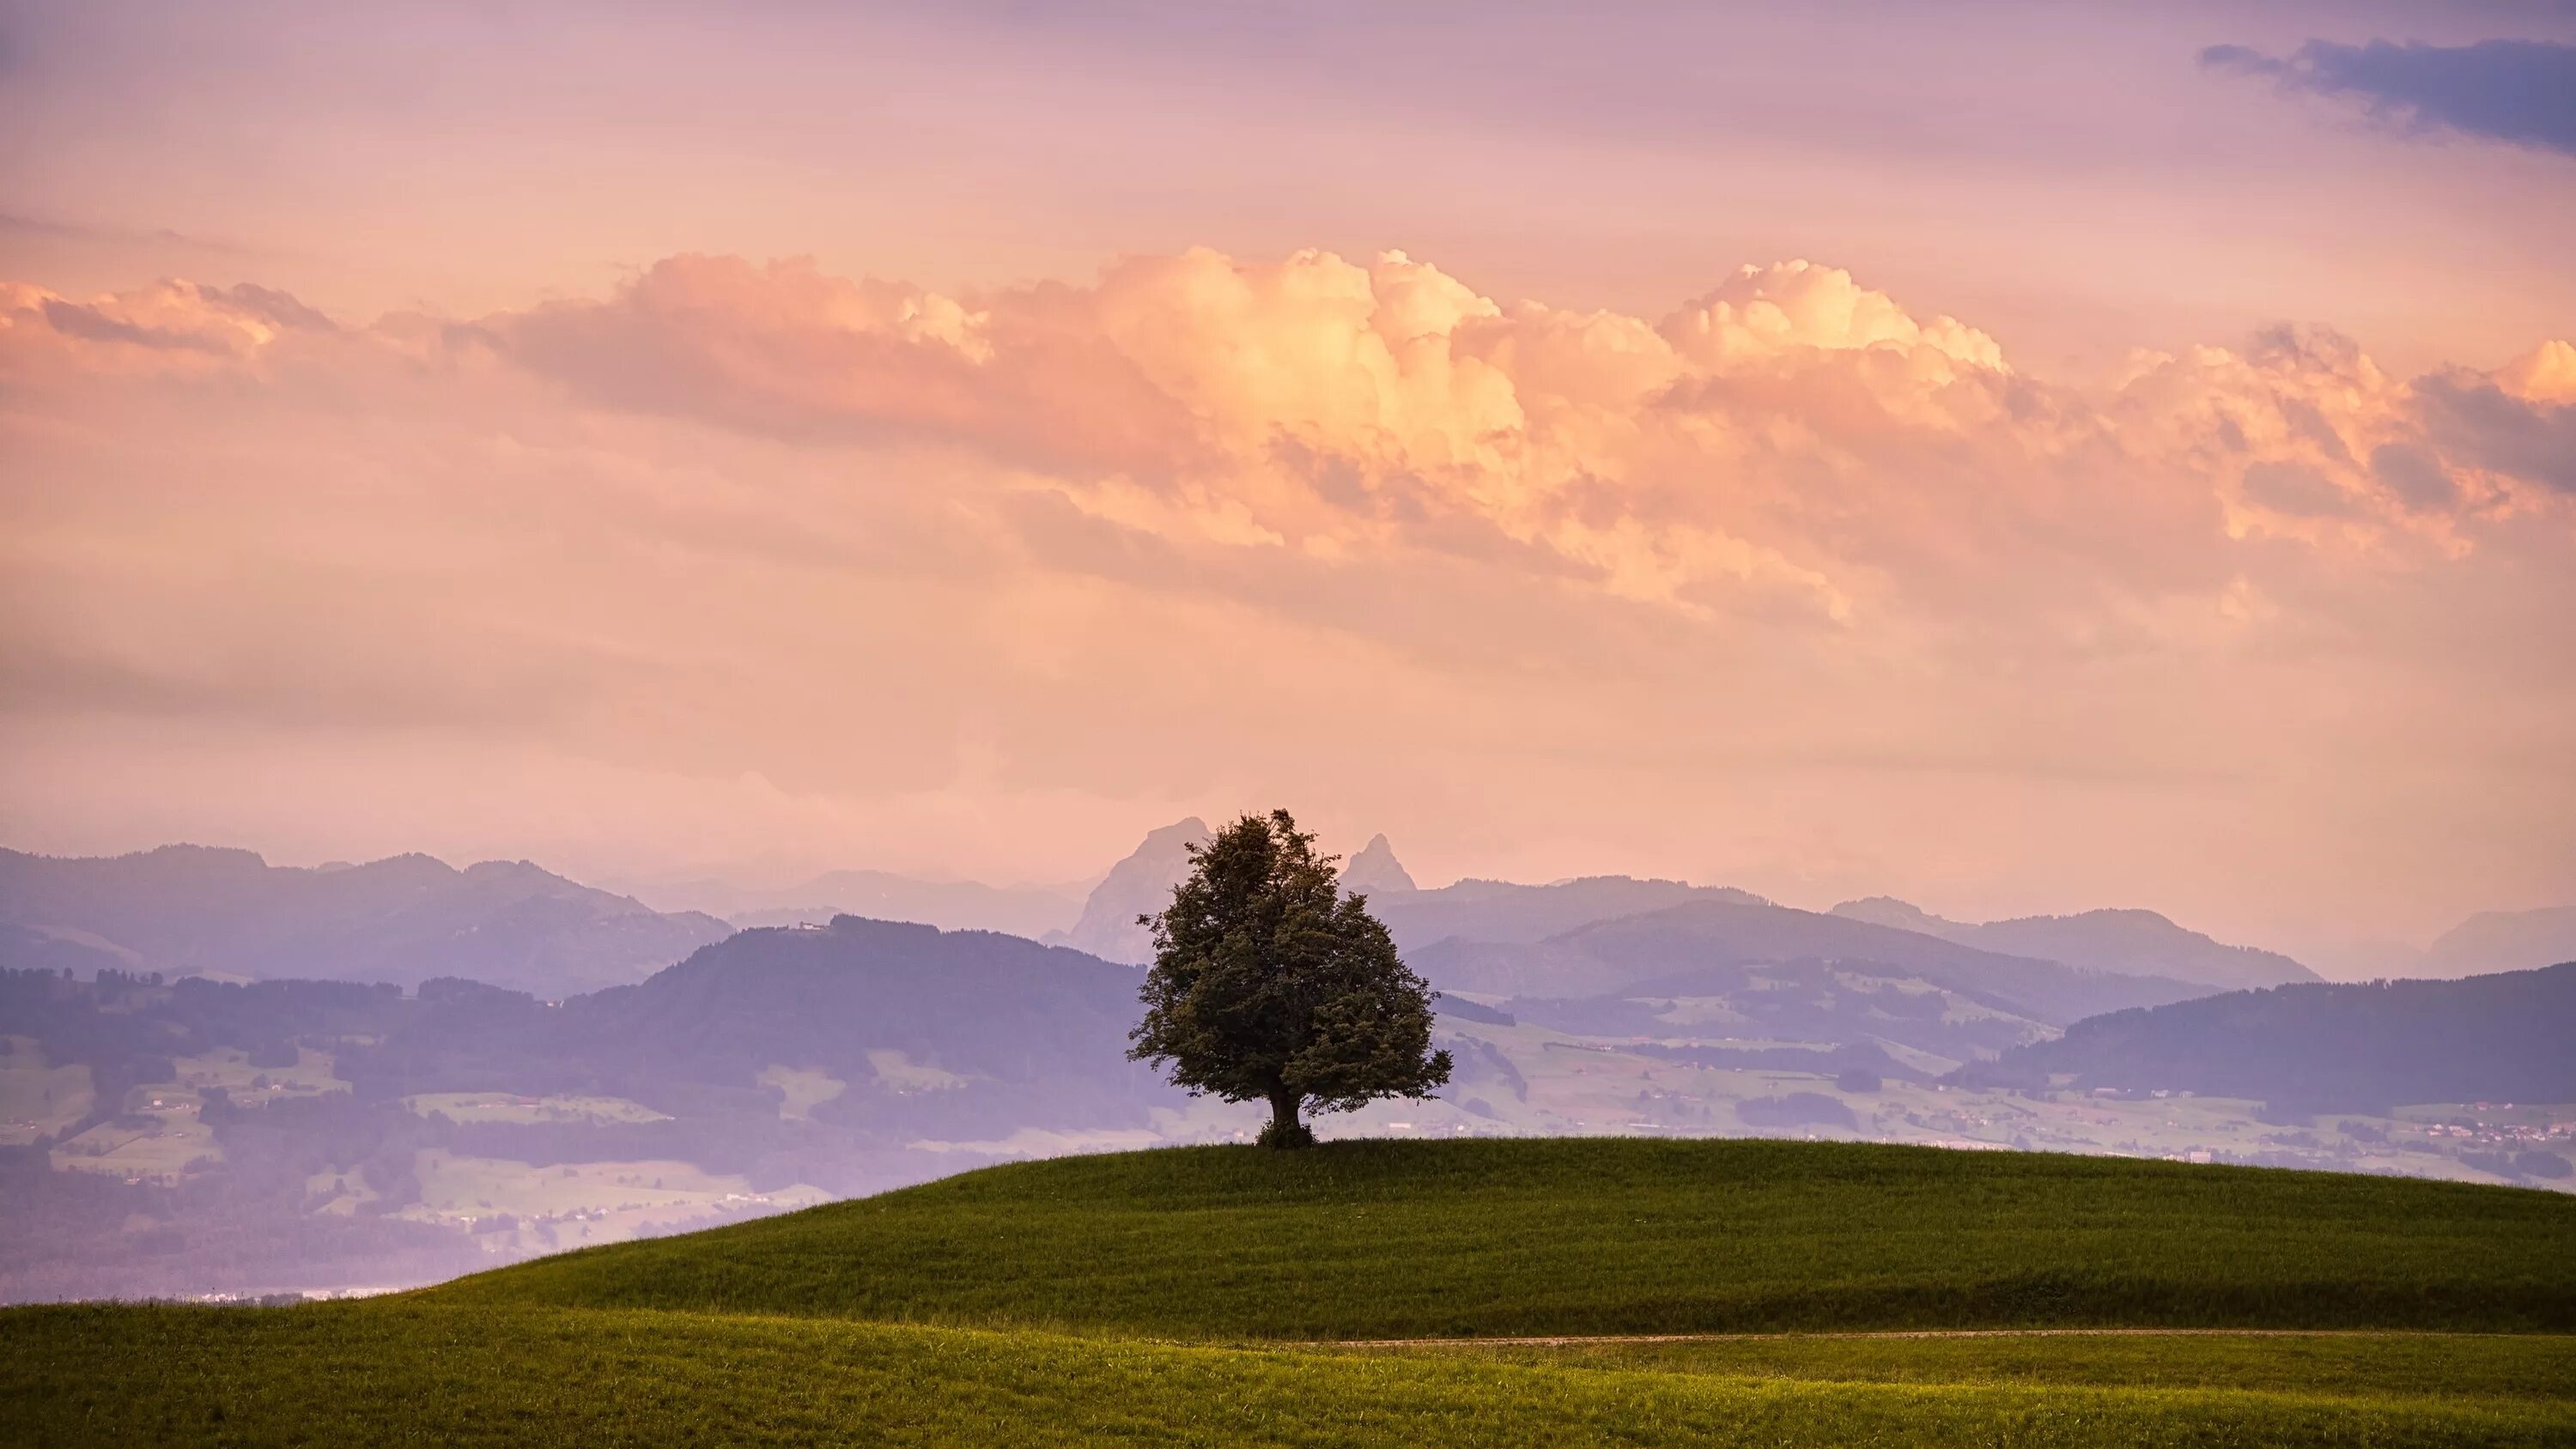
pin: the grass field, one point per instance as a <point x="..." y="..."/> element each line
<point x="314" y="1074"/>
<point x="1169" y="1298"/>
<point x="37" y="1098"/>
<point x="801" y="1090"/>
<point x="159" y="1138"/>
<point x="2336" y="1363"/>
<point x="418" y="1372"/>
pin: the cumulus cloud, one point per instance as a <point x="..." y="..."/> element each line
<point x="2477" y="420"/>
<point x="2519" y="91"/>
<point x="1762" y="313"/>
<point x="174" y="316"/>
<point x="1051" y="547"/>
<point x="1791" y="438"/>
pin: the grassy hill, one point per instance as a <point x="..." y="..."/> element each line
<point x="1172" y="1296"/>
<point x="1399" y="1240"/>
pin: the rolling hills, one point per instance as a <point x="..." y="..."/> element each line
<point x="1176" y="1296"/>
<point x="2142" y="943"/>
<point x="951" y="905"/>
<point x="2503" y="941"/>
<point x="188" y="909"/>
<point x="2355" y="1047"/>
<point x="1715" y="979"/>
<point x="200" y="1136"/>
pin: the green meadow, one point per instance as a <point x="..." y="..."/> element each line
<point x="1612" y="1236"/>
<point x="1233" y="1296"/>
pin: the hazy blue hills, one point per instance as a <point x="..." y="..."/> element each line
<point x="1475" y="910"/>
<point x="286" y="1132"/>
<point x="1441" y="922"/>
<point x="2361" y="1047"/>
<point x="2504" y="941"/>
<point x="891" y="1031"/>
<point x="304" y="1131"/>
<point x="1501" y="912"/>
<point x="939" y="1032"/>
<point x="26" y="949"/>
<point x="1724" y="948"/>
<point x="2141" y="943"/>
<point x="1717" y="974"/>
<point x="951" y="905"/>
<point x="405" y="919"/>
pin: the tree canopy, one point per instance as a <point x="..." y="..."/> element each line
<point x="1270" y="984"/>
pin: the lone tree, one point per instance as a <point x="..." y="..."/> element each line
<point x="1269" y="984"/>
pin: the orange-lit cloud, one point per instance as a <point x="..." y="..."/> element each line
<point x="1789" y="580"/>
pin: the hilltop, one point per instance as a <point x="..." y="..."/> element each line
<point x="1170" y="1297"/>
<point x="1366" y="1240"/>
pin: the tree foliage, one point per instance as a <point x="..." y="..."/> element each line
<point x="1269" y="984"/>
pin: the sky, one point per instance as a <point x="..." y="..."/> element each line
<point x="2017" y="457"/>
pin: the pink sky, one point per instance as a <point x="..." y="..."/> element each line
<point x="1996" y="460"/>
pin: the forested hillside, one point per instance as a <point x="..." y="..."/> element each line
<point x="2361" y="1047"/>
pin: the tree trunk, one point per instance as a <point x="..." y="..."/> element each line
<point x="1285" y="1131"/>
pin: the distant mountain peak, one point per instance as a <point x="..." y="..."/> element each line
<point x="1175" y="836"/>
<point x="1139" y="885"/>
<point x="1376" y="872"/>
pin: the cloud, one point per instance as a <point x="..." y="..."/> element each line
<point x="183" y="317"/>
<point x="2519" y="91"/>
<point x="1790" y="439"/>
<point x="1764" y="312"/>
<point x="1792" y="555"/>
<point x="50" y="228"/>
<point x="2412" y="473"/>
<point x="2476" y="420"/>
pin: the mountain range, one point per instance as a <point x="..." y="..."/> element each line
<point x="2139" y="942"/>
<point x="192" y="909"/>
<point x="2126" y="943"/>
<point x="2504" y="941"/>
<point x="196" y="910"/>
<point x="908" y="1031"/>
<point x="1630" y="953"/>
<point x="2319" y="1047"/>
<point x="306" y="1131"/>
<point x="951" y="905"/>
